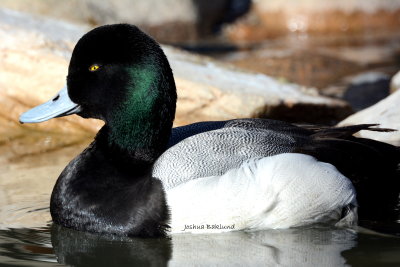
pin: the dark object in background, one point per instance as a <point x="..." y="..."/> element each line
<point x="234" y="10"/>
<point x="366" y="92"/>
<point x="213" y="14"/>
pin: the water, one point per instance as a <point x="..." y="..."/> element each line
<point x="55" y="245"/>
<point x="28" y="238"/>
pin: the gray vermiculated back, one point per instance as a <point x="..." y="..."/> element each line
<point x="183" y="132"/>
<point x="214" y="152"/>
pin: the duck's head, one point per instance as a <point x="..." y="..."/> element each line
<point x="120" y="75"/>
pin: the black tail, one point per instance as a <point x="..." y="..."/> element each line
<point x="372" y="166"/>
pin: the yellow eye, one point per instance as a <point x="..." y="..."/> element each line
<point x="94" y="67"/>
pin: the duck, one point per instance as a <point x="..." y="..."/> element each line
<point x="141" y="177"/>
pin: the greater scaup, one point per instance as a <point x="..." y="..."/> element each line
<point x="211" y="176"/>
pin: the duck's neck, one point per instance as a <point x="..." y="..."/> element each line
<point x="141" y="124"/>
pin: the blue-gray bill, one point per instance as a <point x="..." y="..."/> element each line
<point x="61" y="105"/>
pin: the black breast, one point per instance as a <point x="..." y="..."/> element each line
<point x="102" y="192"/>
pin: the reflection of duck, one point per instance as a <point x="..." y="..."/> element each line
<point x="120" y="75"/>
<point x="284" y="247"/>
<point x="85" y="249"/>
<point x="288" y="247"/>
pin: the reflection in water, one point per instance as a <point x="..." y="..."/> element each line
<point x="292" y="247"/>
<point x="84" y="249"/>
<point x="26" y="247"/>
<point x="373" y="250"/>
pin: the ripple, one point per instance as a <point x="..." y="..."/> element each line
<point x="27" y="246"/>
<point x="30" y="213"/>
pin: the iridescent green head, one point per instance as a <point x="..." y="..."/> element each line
<point x="120" y="75"/>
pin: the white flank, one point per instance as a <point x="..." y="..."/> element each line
<point x="282" y="191"/>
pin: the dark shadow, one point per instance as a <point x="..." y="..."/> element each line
<point x="363" y="95"/>
<point x="374" y="250"/>
<point x="212" y="15"/>
<point x="76" y="248"/>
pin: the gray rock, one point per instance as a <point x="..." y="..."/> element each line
<point x="35" y="54"/>
<point x="395" y="82"/>
<point x="227" y="92"/>
<point x="107" y="11"/>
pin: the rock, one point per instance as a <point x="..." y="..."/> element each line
<point x="295" y="63"/>
<point x="34" y="56"/>
<point x="149" y="12"/>
<point x="395" y="82"/>
<point x="167" y="20"/>
<point x="227" y="92"/>
<point x="272" y="18"/>
<point x="385" y="113"/>
<point x="329" y="64"/>
<point x="366" y="89"/>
